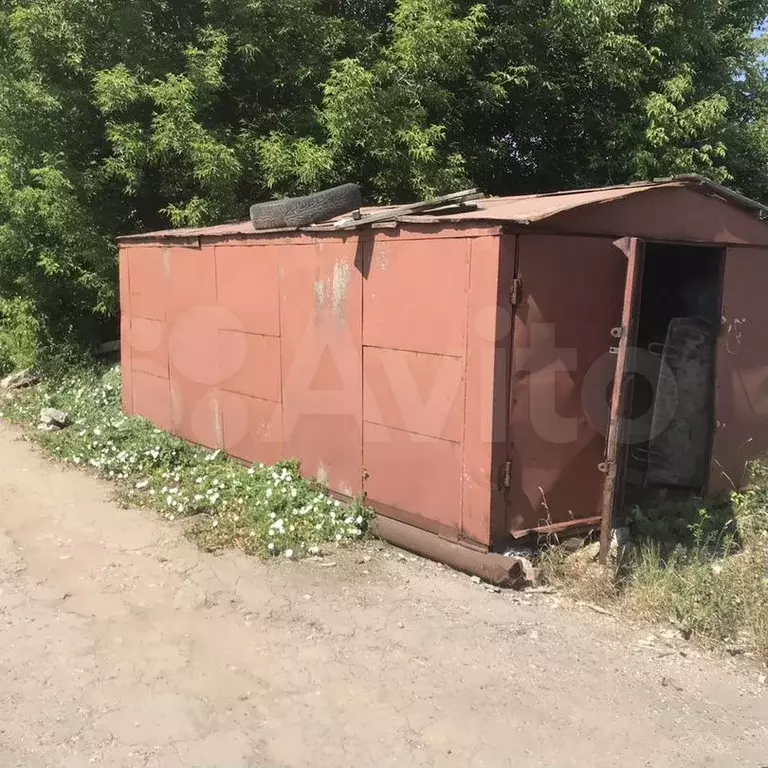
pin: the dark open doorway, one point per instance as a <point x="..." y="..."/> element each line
<point x="671" y="406"/>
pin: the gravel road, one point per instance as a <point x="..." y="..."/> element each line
<point x="122" y="645"/>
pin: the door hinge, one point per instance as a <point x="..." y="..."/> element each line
<point x="516" y="292"/>
<point x="508" y="474"/>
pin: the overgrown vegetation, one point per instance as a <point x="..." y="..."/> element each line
<point x="265" y="510"/>
<point x="118" y="117"/>
<point x="703" y="567"/>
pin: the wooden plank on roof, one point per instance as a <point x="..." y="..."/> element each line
<point x="412" y="208"/>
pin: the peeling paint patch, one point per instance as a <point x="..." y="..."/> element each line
<point x="734" y="334"/>
<point x="167" y="261"/>
<point x="381" y="258"/>
<point x="340" y="285"/>
<point x="320" y="298"/>
<point x="322" y="473"/>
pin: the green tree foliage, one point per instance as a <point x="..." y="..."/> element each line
<point x="118" y="117"/>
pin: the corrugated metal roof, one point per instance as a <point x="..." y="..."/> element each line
<point x="521" y="210"/>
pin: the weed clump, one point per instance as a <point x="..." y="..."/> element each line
<point x="701" y="565"/>
<point x="266" y="510"/>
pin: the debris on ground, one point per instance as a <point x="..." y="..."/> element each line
<point x="668" y="682"/>
<point x="525" y="552"/>
<point x="19" y="380"/>
<point x="53" y="419"/>
<point x="621" y="543"/>
<point x="476" y="580"/>
<point x="573" y="544"/>
<point x="588" y="553"/>
<point x="527" y="575"/>
<point x="595" y="608"/>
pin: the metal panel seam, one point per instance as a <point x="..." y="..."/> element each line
<point x="154" y="376"/>
<point x="416" y="351"/>
<point x="358" y="272"/>
<point x="250" y="397"/>
<point x="410" y="432"/>
<point x="125" y="253"/>
<point x="466" y="401"/>
<point x="280" y="351"/>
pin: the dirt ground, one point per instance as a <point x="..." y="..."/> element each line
<point x="123" y="645"/>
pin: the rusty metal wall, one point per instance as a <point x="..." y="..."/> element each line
<point x="572" y="295"/>
<point x="741" y="408"/>
<point x="362" y="356"/>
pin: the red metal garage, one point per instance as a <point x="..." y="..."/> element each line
<point x="458" y="368"/>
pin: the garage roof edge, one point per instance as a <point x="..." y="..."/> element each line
<point x="521" y="210"/>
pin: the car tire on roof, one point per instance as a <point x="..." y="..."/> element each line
<point x="297" y="212"/>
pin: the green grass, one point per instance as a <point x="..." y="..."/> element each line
<point x="266" y="510"/>
<point x="718" y="598"/>
<point x="702" y="566"/>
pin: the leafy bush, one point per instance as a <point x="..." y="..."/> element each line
<point x="118" y="117"/>
<point x="265" y="510"/>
